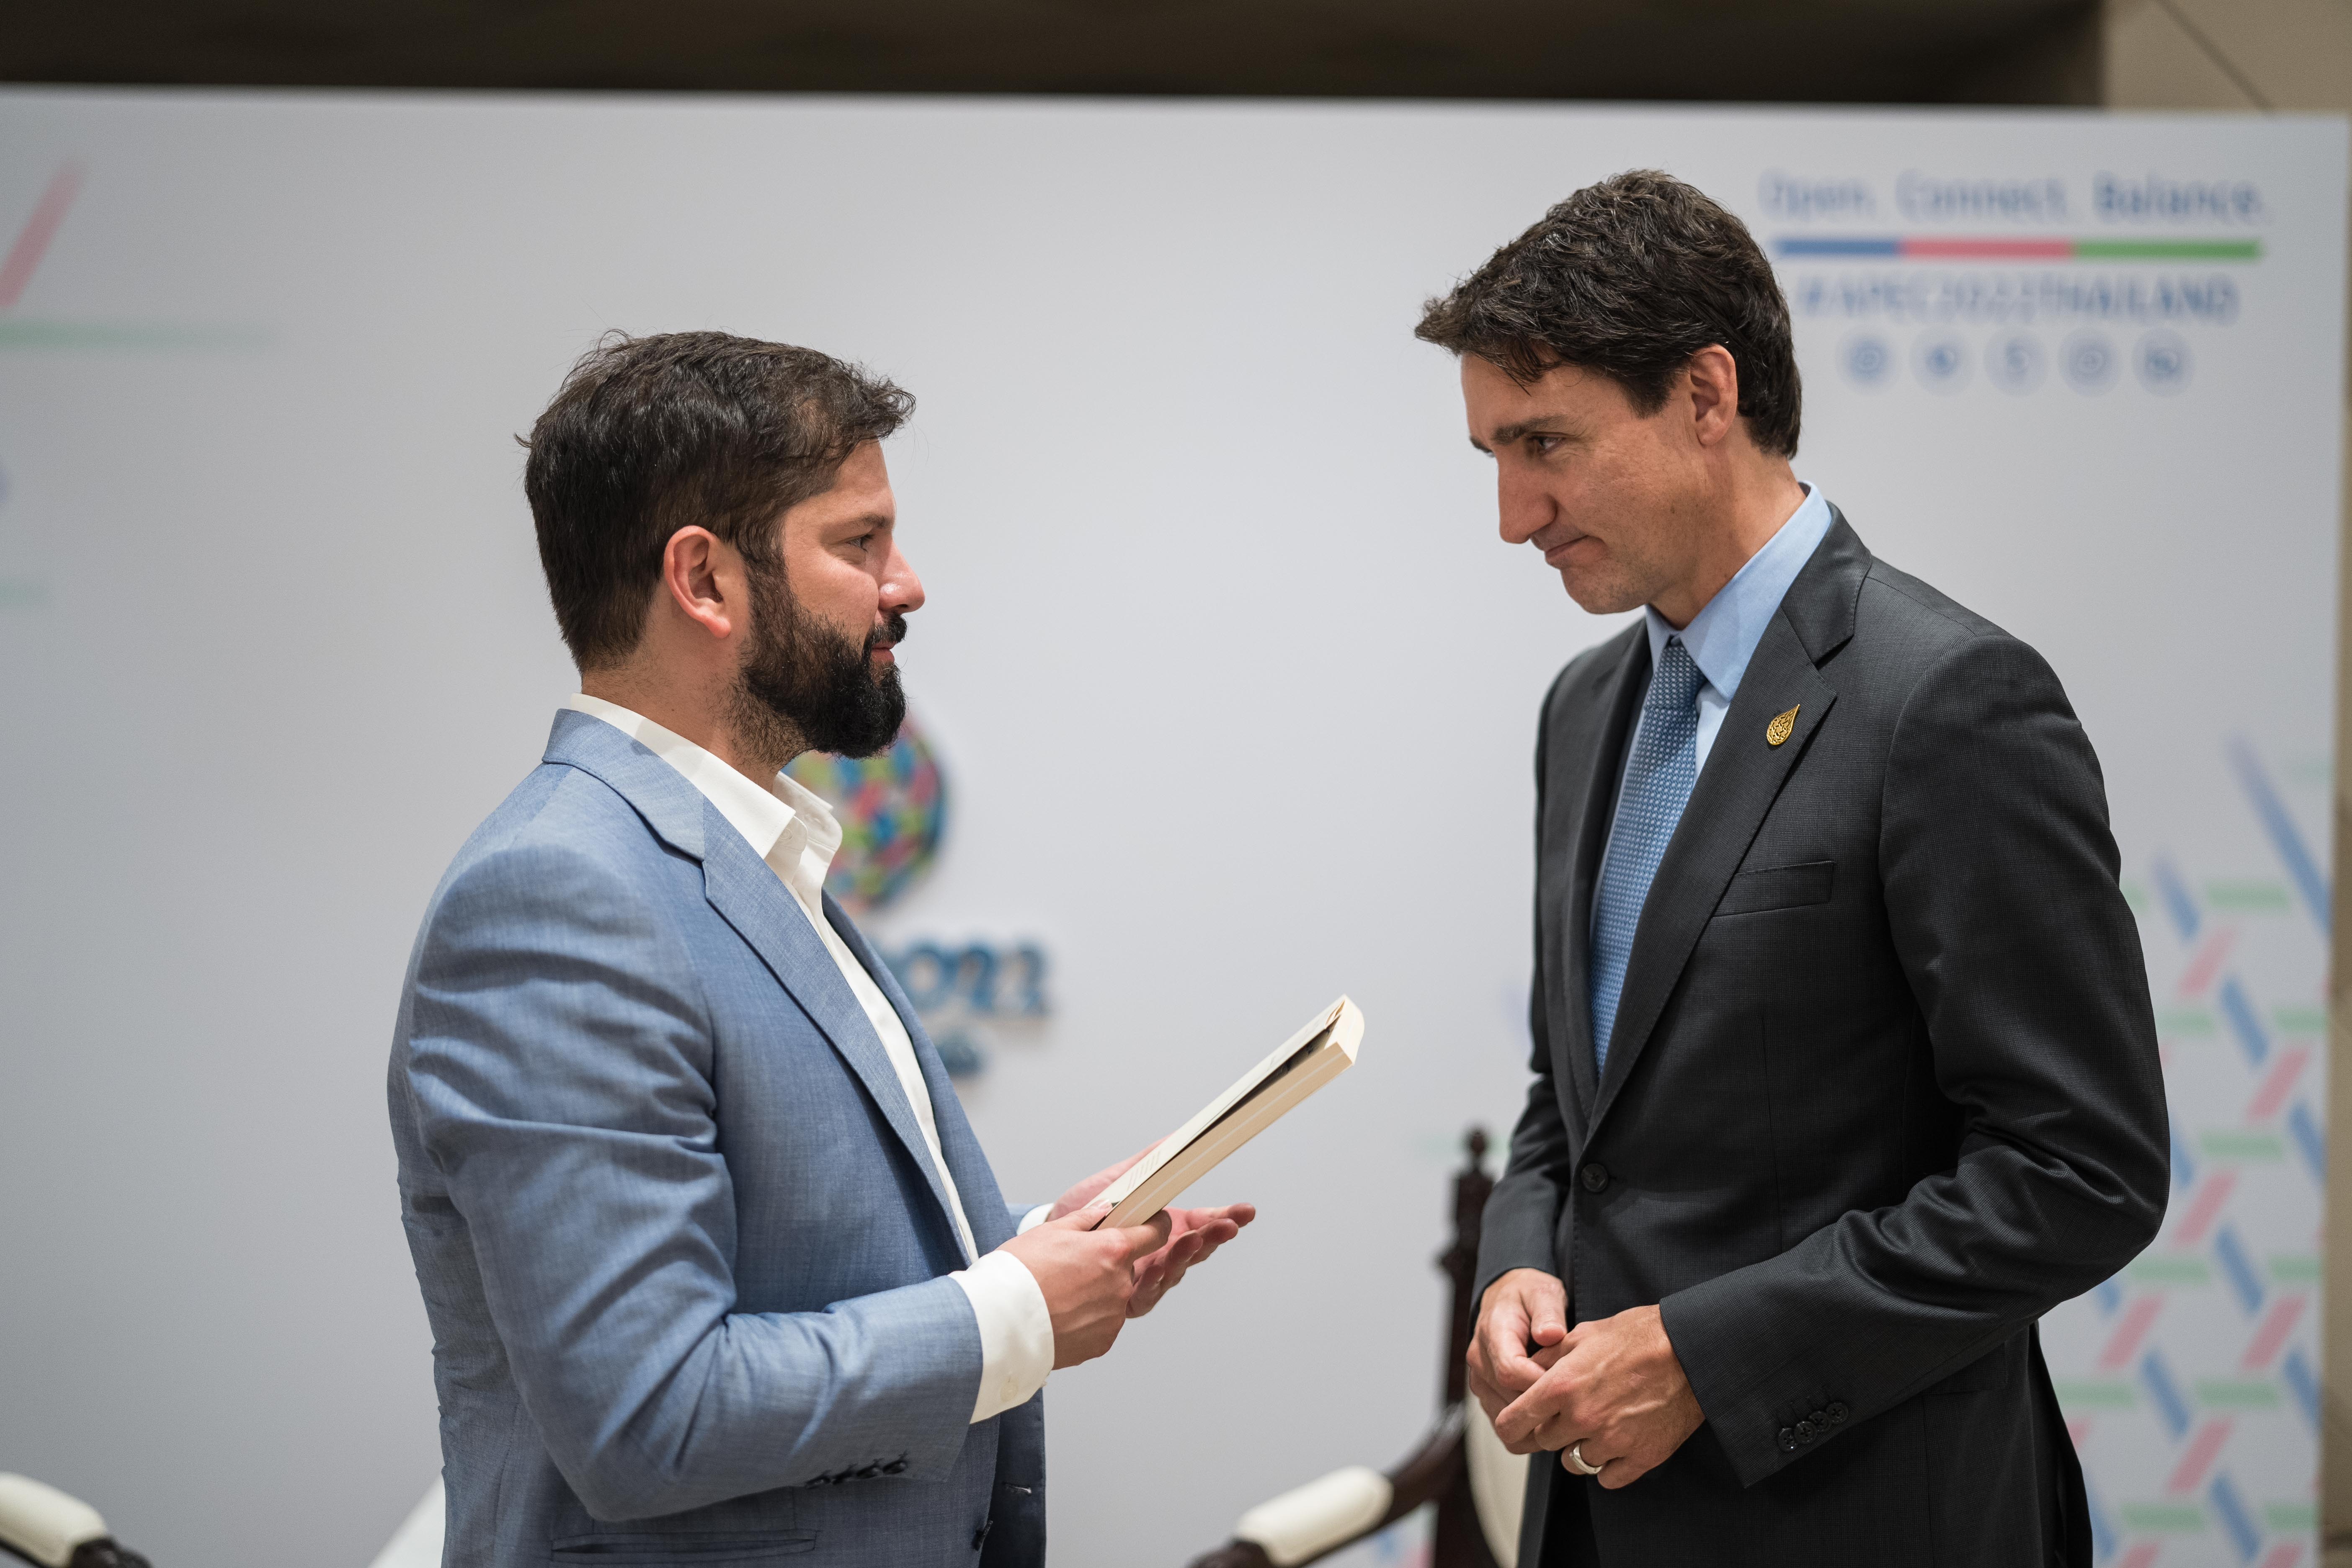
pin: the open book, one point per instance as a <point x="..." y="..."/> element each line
<point x="1310" y="1058"/>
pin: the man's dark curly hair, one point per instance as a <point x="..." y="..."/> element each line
<point x="651" y="434"/>
<point x="1630" y="277"/>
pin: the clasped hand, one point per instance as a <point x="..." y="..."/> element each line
<point x="1613" y="1387"/>
<point x="1094" y="1280"/>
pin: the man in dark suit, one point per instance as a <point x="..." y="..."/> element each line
<point x="1845" y="1070"/>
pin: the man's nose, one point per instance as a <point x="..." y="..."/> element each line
<point x="902" y="591"/>
<point x="1522" y="505"/>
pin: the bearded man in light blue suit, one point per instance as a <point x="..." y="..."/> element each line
<point x="716" y="1271"/>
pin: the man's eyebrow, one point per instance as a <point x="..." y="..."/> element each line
<point x="1510" y="433"/>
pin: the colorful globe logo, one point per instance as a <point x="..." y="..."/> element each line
<point x="893" y="809"/>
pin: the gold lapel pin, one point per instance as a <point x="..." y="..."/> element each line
<point x="1781" y="728"/>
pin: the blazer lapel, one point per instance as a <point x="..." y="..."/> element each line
<point x="1743" y="776"/>
<point x="748" y="895"/>
<point x="983" y="1203"/>
<point x="1578" y="804"/>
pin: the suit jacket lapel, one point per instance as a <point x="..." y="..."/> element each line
<point x="1578" y="802"/>
<point x="1742" y="777"/>
<point x="749" y="896"/>
<point x="983" y="1203"/>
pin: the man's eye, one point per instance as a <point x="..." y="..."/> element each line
<point x="1544" y="444"/>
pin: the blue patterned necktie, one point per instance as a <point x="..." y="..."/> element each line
<point x="1658" y="780"/>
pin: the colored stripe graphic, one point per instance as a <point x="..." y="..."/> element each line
<point x="2243" y="1533"/>
<point x="2239" y="1269"/>
<point x="2126" y="1342"/>
<point x="2203" y="1449"/>
<point x="33" y="239"/>
<point x="2244" y="1022"/>
<point x="2178" y="900"/>
<point x="2141" y="1556"/>
<point x="2203" y="1210"/>
<point x="2283" y="1555"/>
<point x="2310" y="1140"/>
<point x="2283" y="1314"/>
<point x="2285" y="837"/>
<point x="1945" y="247"/>
<point x="2165" y="1393"/>
<point x="2279" y="1084"/>
<point x="2302" y="1384"/>
<point x="2208" y="962"/>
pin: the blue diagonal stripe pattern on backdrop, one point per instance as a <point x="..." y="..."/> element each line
<point x="2285" y="837"/>
<point x="2244" y="1022"/>
<point x="2165" y="1393"/>
<point x="1658" y="780"/>
<point x="2309" y="1139"/>
<point x="2178" y="901"/>
<point x="2297" y="1370"/>
<point x="2243" y="1535"/>
<point x="2239" y="1269"/>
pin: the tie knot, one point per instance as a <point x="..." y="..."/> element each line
<point x="1676" y="685"/>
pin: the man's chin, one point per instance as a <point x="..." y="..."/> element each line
<point x="1597" y="595"/>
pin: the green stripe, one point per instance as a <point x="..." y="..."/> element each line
<point x="2165" y="1516"/>
<point x="2169" y="249"/>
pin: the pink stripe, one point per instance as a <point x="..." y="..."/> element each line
<point x="2205" y="1208"/>
<point x="2203" y="1449"/>
<point x="2078" y="1431"/>
<point x="2276" y="1325"/>
<point x="33" y="240"/>
<point x="2138" y="1318"/>
<point x="2208" y="962"/>
<point x="2279" y="1083"/>
<point x="2283" y="1555"/>
<point x="2141" y="1556"/>
<point x="1992" y="249"/>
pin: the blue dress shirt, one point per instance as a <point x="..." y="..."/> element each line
<point x="1722" y="638"/>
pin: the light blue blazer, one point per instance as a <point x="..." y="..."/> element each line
<point x="679" y="1237"/>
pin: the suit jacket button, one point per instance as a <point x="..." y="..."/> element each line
<point x="1837" y="1413"/>
<point x="894" y="1467"/>
<point x="1821" y="1420"/>
<point x="870" y="1471"/>
<point x="1594" y="1177"/>
<point x="1787" y="1439"/>
<point x="1804" y="1431"/>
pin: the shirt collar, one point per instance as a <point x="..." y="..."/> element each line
<point x="787" y="824"/>
<point x="1721" y="638"/>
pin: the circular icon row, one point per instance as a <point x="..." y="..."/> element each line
<point x="2088" y="361"/>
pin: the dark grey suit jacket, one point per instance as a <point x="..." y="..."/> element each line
<point x="1883" y="1087"/>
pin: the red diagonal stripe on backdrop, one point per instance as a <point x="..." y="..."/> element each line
<point x="33" y="239"/>
<point x="2277" y="1324"/>
<point x="2278" y="1083"/>
<point x="2208" y="962"/>
<point x="2141" y="1556"/>
<point x="2138" y="1318"/>
<point x="2203" y="1449"/>
<point x="2285" y="1555"/>
<point x="2078" y="1431"/>
<point x="2204" y="1209"/>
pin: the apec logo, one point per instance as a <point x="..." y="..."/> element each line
<point x="893" y="810"/>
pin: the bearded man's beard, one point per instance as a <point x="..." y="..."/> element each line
<point x="804" y="686"/>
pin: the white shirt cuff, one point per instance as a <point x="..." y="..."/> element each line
<point x="1017" y="1332"/>
<point x="1033" y="1218"/>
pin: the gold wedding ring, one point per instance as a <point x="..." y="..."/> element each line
<point x="1576" y="1461"/>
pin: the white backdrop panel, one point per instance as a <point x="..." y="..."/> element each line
<point x="1235" y="685"/>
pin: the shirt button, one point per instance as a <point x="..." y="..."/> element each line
<point x="1594" y="1177"/>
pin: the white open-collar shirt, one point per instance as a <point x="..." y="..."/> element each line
<point x="795" y="832"/>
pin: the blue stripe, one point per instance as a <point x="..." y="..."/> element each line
<point x="1810" y="247"/>
<point x="2109" y="1296"/>
<point x="2184" y="1164"/>
<point x="2235" y="1517"/>
<point x="2102" y="1529"/>
<point x="2305" y="1387"/>
<point x="2165" y="1393"/>
<point x="2310" y="1140"/>
<point x="2238" y="1008"/>
<point x="2285" y="837"/>
<point x="2240" y="1269"/>
<point x="2178" y="900"/>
